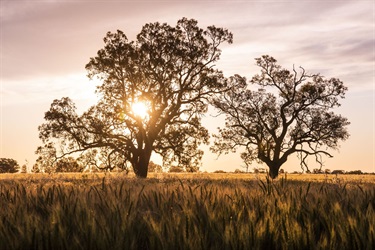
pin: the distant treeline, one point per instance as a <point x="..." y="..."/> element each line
<point x="315" y="171"/>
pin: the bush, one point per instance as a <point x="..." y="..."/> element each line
<point x="338" y="172"/>
<point x="355" y="172"/>
<point x="219" y="172"/>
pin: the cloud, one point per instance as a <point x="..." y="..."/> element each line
<point x="46" y="89"/>
<point x="45" y="39"/>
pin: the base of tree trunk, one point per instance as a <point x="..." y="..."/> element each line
<point x="141" y="171"/>
<point x="274" y="172"/>
<point x="143" y="176"/>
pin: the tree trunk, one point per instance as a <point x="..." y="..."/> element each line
<point x="141" y="166"/>
<point x="274" y="170"/>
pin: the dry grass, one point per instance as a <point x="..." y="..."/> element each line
<point x="330" y="178"/>
<point x="186" y="211"/>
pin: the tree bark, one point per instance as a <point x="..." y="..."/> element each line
<point x="274" y="169"/>
<point x="141" y="166"/>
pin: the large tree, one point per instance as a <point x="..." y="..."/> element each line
<point x="290" y="112"/>
<point x="153" y="94"/>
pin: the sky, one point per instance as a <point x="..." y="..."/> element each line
<point x="45" y="45"/>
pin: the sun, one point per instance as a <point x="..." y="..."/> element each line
<point x="140" y="109"/>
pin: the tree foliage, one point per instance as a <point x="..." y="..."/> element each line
<point x="68" y="165"/>
<point x="168" y="69"/>
<point x="8" y="165"/>
<point x="103" y="159"/>
<point x="45" y="163"/>
<point x="176" y="169"/>
<point x="24" y="169"/>
<point x="154" y="167"/>
<point x="291" y="112"/>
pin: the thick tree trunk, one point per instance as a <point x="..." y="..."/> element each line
<point x="274" y="170"/>
<point x="141" y="166"/>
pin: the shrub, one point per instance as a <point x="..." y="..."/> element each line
<point x="219" y="172"/>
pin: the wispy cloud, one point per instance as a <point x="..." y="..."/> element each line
<point x="46" y="89"/>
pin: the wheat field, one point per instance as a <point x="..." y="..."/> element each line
<point x="186" y="211"/>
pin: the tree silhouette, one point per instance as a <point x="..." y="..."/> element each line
<point x="8" y="165"/>
<point x="154" y="167"/>
<point x="169" y="73"/>
<point x="289" y="113"/>
<point x="68" y="164"/>
<point x="103" y="159"/>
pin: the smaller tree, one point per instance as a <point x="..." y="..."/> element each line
<point x="355" y="172"/>
<point x="290" y="113"/>
<point x="155" y="168"/>
<point x="8" y="165"/>
<point x="220" y="172"/>
<point x="46" y="160"/>
<point x="68" y="164"/>
<point x="36" y="168"/>
<point x="24" y="169"/>
<point x="336" y="172"/>
<point x="176" y="169"/>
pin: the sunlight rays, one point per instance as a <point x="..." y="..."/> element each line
<point x="140" y="109"/>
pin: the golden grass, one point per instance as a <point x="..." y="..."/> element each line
<point x="330" y="178"/>
<point x="186" y="211"/>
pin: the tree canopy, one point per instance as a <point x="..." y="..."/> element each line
<point x="291" y="112"/>
<point x="68" y="165"/>
<point x="153" y="94"/>
<point x="8" y="165"/>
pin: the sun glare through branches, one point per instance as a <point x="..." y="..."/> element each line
<point x="140" y="109"/>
